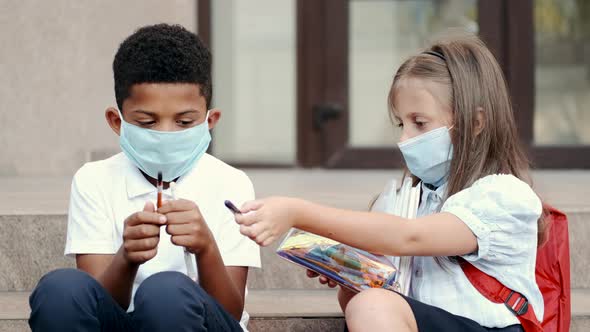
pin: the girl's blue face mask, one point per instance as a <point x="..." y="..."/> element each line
<point x="173" y="153"/>
<point x="428" y="156"/>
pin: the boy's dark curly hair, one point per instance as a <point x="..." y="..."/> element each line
<point x="162" y="53"/>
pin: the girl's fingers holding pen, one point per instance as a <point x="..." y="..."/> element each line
<point x="257" y="233"/>
<point x="247" y="219"/>
<point x="268" y="242"/>
<point x="248" y="231"/>
<point x="263" y="237"/>
<point x="244" y="230"/>
<point x="269" y="239"/>
<point x="251" y="206"/>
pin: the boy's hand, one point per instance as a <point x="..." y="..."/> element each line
<point x="186" y="225"/>
<point x="265" y="220"/>
<point x="141" y="235"/>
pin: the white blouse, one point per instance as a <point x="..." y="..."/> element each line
<point x="502" y="212"/>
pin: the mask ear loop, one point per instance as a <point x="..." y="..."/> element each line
<point x="120" y="115"/>
<point x="207" y="117"/>
<point x="449" y="130"/>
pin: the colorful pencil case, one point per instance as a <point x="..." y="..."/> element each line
<point x="350" y="267"/>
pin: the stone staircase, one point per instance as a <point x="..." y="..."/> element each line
<point x="33" y="223"/>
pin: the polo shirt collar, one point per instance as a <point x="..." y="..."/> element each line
<point x="138" y="185"/>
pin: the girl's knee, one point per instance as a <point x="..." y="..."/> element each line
<point x="375" y="302"/>
<point x="374" y="299"/>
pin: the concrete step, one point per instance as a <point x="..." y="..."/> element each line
<point x="284" y="310"/>
<point x="32" y="245"/>
<point x="33" y="220"/>
<point x="277" y="310"/>
<point x="285" y="324"/>
<point x="353" y="189"/>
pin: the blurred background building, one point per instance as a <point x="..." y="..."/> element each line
<point x="302" y="83"/>
<point x="303" y="86"/>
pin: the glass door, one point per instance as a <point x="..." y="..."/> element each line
<point x="352" y="49"/>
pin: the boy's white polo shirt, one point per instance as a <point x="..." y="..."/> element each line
<point x="106" y="192"/>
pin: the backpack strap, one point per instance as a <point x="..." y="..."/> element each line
<point x="494" y="291"/>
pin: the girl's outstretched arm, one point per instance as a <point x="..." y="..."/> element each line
<point x="441" y="234"/>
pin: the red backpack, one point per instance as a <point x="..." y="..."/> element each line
<point x="553" y="277"/>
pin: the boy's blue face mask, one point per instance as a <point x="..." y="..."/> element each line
<point x="428" y="156"/>
<point x="173" y="153"/>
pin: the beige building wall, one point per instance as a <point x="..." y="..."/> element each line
<point x="56" y="77"/>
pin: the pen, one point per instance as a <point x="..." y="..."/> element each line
<point x="232" y="207"/>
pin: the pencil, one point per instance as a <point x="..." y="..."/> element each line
<point x="160" y="187"/>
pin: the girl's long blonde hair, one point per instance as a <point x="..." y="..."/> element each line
<point x="475" y="84"/>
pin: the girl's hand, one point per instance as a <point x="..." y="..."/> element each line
<point x="265" y="220"/>
<point x="323" y="280"/>
<point x="344" y="294"/>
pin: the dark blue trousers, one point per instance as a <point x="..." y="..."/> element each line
<point x="71" y="300"/>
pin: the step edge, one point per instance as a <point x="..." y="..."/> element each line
<point x="566" y="210"/>
<point x="581" y="296"/>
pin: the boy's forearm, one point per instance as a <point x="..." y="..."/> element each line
<point x="216" y="281"/>
<point x="118" y="279"/>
